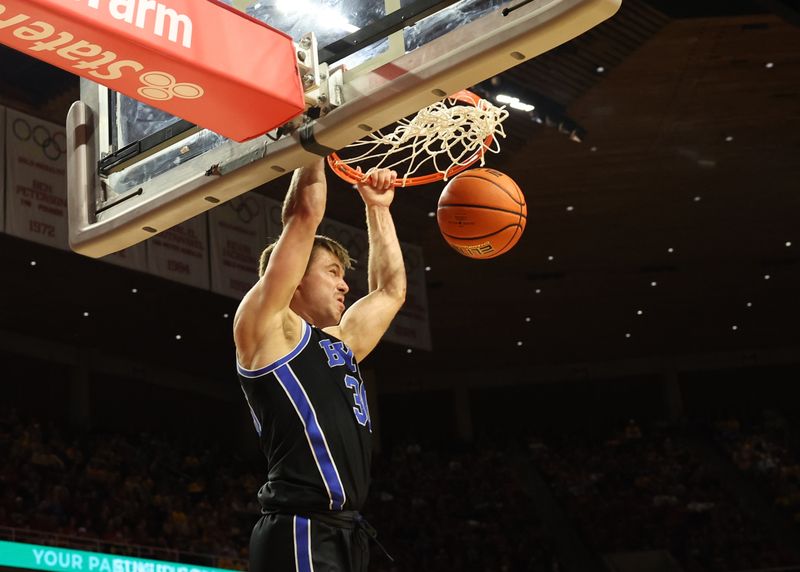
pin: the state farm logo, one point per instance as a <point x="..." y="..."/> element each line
<point x="162" y="86"/>
<point x="93" y="60"/>
<point x="149" y="15"/>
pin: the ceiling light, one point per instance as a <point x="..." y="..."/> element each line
<point x="326" y="16"/>
<point x="766" y="276"/>
<point x="570" y="208"/>
<point x="528" y="319"/>
<point x="225" y="315"/>
<point x="600" y="69"/>
<point x="734" y="327"/>
<point x="519" y="343"/>
<point x="86" y="314"/>
<point x="788" y="243"/>
<point x="627" y="335"/>
<point x="770" y="65"/>
<point x="33" y="263"/>
<point x="134" y="290"/>
<point x="749" y="304"/>
<point x="431" y="214"/>
<point x="409" y="350"/>
<point x="729" y="138"/>
<point x="514" y="102"/>
<point x="177" y="336"/>
<point x="538" y="291"/>
<point x="593" y="149"/>
<point x="639" y="312"/>
<point x="670" y="250"/>
<point x="521" y="106"/>
<point x="697" y="198"/>
<point x="427" y="269"/>
<point x="551" y="258"/>
<point x="653" y="283"/>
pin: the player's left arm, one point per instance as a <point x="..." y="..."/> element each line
<point x="365" y="322"/>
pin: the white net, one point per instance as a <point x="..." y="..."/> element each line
<point x="439" y="138"/>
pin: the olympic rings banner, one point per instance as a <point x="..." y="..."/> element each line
<point x="238" y="234"/>
<point x="36" y="192"/>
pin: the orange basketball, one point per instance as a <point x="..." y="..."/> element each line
<point x="482" y="213"/>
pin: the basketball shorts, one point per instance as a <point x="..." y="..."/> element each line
<point x="294" y="543"/>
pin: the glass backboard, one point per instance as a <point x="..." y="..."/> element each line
<point x="393" y="58"/>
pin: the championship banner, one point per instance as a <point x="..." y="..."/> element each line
<point x="36" y="182"/>
<point x="134" y="257"/>
<point x="2" y="168"/>
<point x="205" y="62"/>
<point x="181" y="253"/>
<point x="411" y="327"/>
<point x="238" y="234"/>
<point x="16" y="555"/>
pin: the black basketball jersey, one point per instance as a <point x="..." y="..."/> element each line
<point x="311" y="414"/>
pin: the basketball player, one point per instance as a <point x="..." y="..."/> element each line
<point x="298" y="352"/>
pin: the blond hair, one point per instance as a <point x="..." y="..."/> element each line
<point x="320" y="241"/>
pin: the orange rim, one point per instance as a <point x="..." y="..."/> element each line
<point x="354" y="176"/>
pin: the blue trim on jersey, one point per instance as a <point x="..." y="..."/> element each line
<point x="316" y="438"/>
<point x="282" y="361"/>
<point x="302" y="544"/>
<point x="256" y="422"/>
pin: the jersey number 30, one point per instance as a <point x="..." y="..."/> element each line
<point x="361" y="408"/>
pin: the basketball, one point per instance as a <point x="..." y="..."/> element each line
<point x="482" y="213"/>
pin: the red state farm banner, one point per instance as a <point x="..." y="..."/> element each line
<point x="36" y="191"/>
<point x="202" y="61"/>
<point x="238" y="234"/>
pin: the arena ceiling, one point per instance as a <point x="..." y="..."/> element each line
<point x="672" y="228"/>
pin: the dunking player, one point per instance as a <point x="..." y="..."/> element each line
<point x="297" y="357"/>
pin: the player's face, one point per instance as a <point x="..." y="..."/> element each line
<point x="322" y="289"/>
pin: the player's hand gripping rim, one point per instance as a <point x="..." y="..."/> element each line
<point x="377" y="187"/>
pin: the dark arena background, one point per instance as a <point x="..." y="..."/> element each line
<point x="620" y="392"/>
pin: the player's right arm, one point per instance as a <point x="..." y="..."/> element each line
<point x="263" y="328"/>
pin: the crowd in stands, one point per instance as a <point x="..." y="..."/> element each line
<point x="132" y="489"/>
<point x="446" y="508"/>
<point x="433" y="511"/>
<point x="456" y="510"/>
<point x="641" y="490"/>
<point x="763" y="450"/>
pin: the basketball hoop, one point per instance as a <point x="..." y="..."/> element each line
<point x="455" y="134"/>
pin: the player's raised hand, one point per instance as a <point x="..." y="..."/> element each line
<point x="377" y="188"/>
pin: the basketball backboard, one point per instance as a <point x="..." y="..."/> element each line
<point x="135" y="171"/>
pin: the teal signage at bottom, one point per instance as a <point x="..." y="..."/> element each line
<point x="36" y="557"/>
